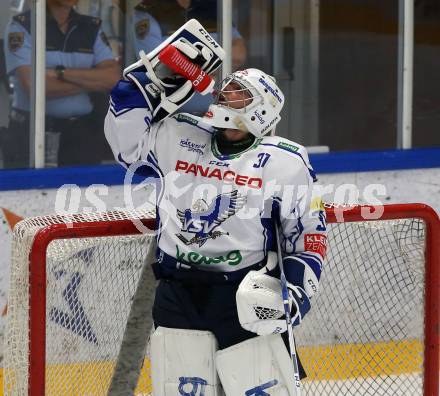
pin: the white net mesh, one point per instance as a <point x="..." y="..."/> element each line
<point x="90" y="284"/>
<point x="363" y="336"/>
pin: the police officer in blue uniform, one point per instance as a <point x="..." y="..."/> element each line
<point x="79" y="63"/>
<point x="155" y="20"/>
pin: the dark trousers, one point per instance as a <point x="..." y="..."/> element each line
<point x="81" y="140"/>
<point x="200" y="306"/>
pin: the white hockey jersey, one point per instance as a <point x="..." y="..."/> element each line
<point x="216" y="211"/>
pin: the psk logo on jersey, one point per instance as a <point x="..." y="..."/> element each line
<point x="197" y="384"/>
<point x="191" y="146"/>
<point x="202" y="219"/>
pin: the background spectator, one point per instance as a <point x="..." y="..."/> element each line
<point x="79" y="62"/>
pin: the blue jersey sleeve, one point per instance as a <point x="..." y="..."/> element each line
<point x="17" y="46"/>
<point x="101" y="49"/>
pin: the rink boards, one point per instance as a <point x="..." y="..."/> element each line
<point x="82" y="376"/>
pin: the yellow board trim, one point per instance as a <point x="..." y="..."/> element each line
<point x="86" y="379"/>
<point x="324" y="362"/>
<point x="344" y="361"/>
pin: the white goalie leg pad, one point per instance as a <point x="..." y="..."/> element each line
<point x="259" y="366"/>
<point x="183" y="363"/>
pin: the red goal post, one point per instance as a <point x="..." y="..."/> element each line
<point x="43" y="231"/>
<point x="38" y="279"/>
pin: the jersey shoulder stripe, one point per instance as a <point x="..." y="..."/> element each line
<point x="290" y="149"/>
<point x="194" y="121"/>
<point x="284" y="145"/>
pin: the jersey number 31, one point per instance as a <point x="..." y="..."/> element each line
<point x="262" y="159"/>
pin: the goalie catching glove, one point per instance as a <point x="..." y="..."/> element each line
<point x="260" y="303"/>
<point x="163" y="89"/>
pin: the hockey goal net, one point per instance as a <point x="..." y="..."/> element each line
<point x="373" y="328"/>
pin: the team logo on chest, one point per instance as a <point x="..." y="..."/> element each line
<point x="203" y="219"/>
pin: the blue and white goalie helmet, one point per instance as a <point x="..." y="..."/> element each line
<point x="248" y="100"/>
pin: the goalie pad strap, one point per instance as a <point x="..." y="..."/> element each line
<point x="150" y="72"/>
<point x="182" y="363"/>
<point x="171" y="103"/>
<point x="259" y="366"/>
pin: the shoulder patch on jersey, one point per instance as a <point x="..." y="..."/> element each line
<point x="142" y="28"/>
<point x="195" y="121"/>
<point x="186" y="118"/>
<point x="289" y="147"/>
<point x="15" y="41"/>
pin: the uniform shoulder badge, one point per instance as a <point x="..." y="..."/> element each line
<point x="288" y="147"/>
<point x="142" y="28"/>
<point x="186" y="118"/>
<point x="15" y="41"/>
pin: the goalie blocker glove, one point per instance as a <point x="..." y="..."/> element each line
<point x="259" y="299"/>
<point x="165" y="91"/>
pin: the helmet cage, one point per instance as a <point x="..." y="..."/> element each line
<point x="262" y="103"/>
<point x="250" y="94"/>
